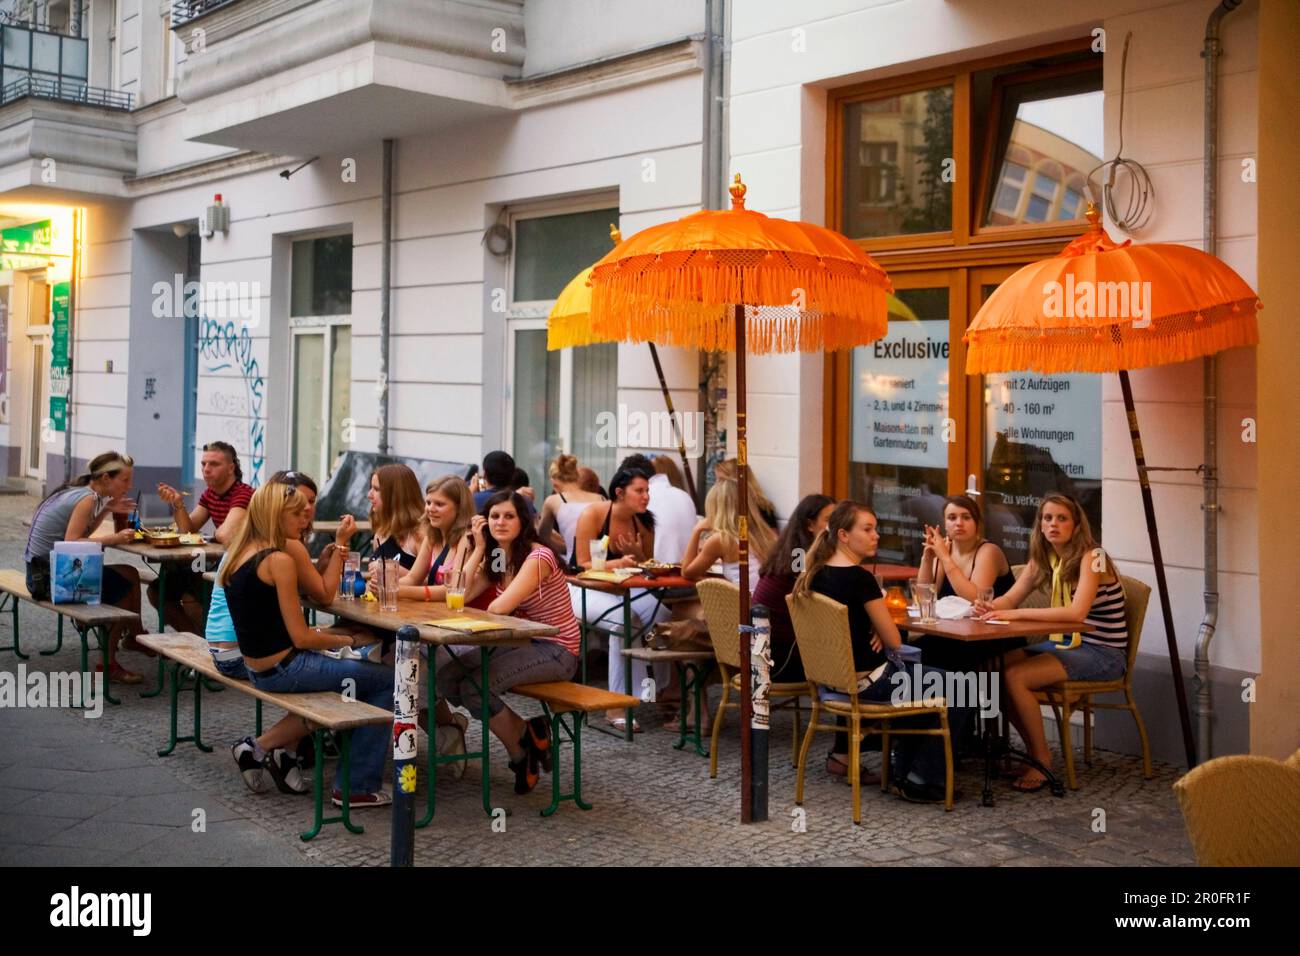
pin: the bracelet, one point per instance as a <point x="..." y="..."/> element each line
<point x="427" y="597"/>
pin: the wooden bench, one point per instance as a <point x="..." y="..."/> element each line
<point x="693" y="669"/>
<point x="88" y="619"/>
<point x="558" y="699"/>
<point x="324" y="710"/>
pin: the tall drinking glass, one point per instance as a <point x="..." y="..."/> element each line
<point x="351" y="568"/>
<point x="925" y="595"/>
<point x="599" y="551"/>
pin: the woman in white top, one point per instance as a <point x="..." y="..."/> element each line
<point x="722" y="526"/>
<point x="560" y="511"/>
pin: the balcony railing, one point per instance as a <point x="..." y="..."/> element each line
<point x="64" y="90"/>
<point x="183" y="11"/>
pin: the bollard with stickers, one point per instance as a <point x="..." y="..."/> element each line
<point x="406" y="682"/>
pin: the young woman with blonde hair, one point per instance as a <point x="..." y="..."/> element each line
<point x="261" y="582"/>
<point x="1084" y="586"/>
<point x="721" y="524"/>
<point x="445" y="540"/>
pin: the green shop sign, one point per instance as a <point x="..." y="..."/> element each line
<point x="60" y="367"/>
<point x="26" y="246"/>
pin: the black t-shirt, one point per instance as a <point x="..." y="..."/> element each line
<point x="854" y="587"/>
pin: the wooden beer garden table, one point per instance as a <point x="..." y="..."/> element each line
<point x="971" y="631"/>
<point x="209" y="551"/>
<point x="424" y="615"/>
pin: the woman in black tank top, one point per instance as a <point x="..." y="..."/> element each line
<point x="627" y="523"/>
<point x="961" y="561"/>
<point x="261" y="583"/>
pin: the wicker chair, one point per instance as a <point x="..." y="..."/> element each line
<point x="821" y="631"/>
<point x="1064" y="696"/>
<point x="721" y="601"/>
<point x="1243" y="811"/>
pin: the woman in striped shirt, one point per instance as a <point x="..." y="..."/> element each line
<point x="525" y="580"/>
<point x="1084" y="585"/>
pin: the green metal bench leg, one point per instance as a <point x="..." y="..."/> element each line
<point x="177" y="685"/>
<point x="58" y="634"/>
<point x="172" y="699"/>
<point x="582" y="635"/>
<point x="690" y="677"/>
<point x="560" y="730"/>
<point x="13" y="605"/>
<point x="344" y="739"/>
<point x="102" y="636"/>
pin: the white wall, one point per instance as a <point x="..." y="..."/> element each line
<point x="784" y="55"/>
<point x="563" y="33"/>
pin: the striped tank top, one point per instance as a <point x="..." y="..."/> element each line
<point x="551" y="604"/>
<point x="1106" y="622"/>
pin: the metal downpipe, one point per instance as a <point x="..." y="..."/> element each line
<point x="385" y="291"/>
<point x="1210" y="476"/>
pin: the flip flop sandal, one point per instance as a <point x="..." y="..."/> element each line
<point x="1032" y="788"/>
<point x="620" y="724"/>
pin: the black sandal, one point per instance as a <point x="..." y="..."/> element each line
<point x="537" y="736"/>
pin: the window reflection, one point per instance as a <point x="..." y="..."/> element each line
<point x="897" y="159"/>
<point x="1053" y="143"/>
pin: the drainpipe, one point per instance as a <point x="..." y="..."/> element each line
<point x="74" y="19"/>
<point x="711" y="194"/>
<point x="1210" y="480"/>
<point x="385" y="291"/>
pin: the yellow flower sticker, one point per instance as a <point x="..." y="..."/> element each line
<point x="407" y="779"/>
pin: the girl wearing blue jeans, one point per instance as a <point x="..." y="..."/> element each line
<point x="261" y="582"/>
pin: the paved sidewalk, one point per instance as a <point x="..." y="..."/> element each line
<point x="81" y="792"/>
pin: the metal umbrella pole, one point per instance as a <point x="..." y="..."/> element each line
<point x="1157" y="558"/>
<point x="672" y="417"/>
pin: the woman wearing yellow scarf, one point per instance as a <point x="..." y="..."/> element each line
<point x="1084" y="586"/>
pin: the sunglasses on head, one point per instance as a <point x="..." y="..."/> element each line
<point x="290" y="482"/>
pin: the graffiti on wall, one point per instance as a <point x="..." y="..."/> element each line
<point x="222" y="346"/>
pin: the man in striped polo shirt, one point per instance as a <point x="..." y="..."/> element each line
<point x="225" y="502"/>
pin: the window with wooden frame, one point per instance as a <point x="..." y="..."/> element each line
<point x="953" y="179"/>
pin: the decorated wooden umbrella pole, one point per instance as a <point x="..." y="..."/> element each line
<point x="739" y="280"/>
<point x="1102" y="306"/>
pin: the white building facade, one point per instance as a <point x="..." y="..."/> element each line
<point x="952" y="138"/>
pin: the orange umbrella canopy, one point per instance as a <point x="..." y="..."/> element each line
<point x="1102" y="306"/>
<point x="806" y="288"/>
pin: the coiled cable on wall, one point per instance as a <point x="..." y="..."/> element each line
<point x="1138" y="204"/>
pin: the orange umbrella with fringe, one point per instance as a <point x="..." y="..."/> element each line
<point x="1103" y="306"/>
<point x="738" y="280"/>
<point x="570" y="322"/>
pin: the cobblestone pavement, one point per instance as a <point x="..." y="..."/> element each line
<point x="652" y="804"/>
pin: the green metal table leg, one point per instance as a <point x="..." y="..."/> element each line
<point x="583" y="631"/>
<point x="483" y="719"/>
<point x="627" y="661"/>
<point x="13" y="604"/>
<point x="430" y="665"/>
<point x="162" y="628"/>
<point x="58" y="634"/>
